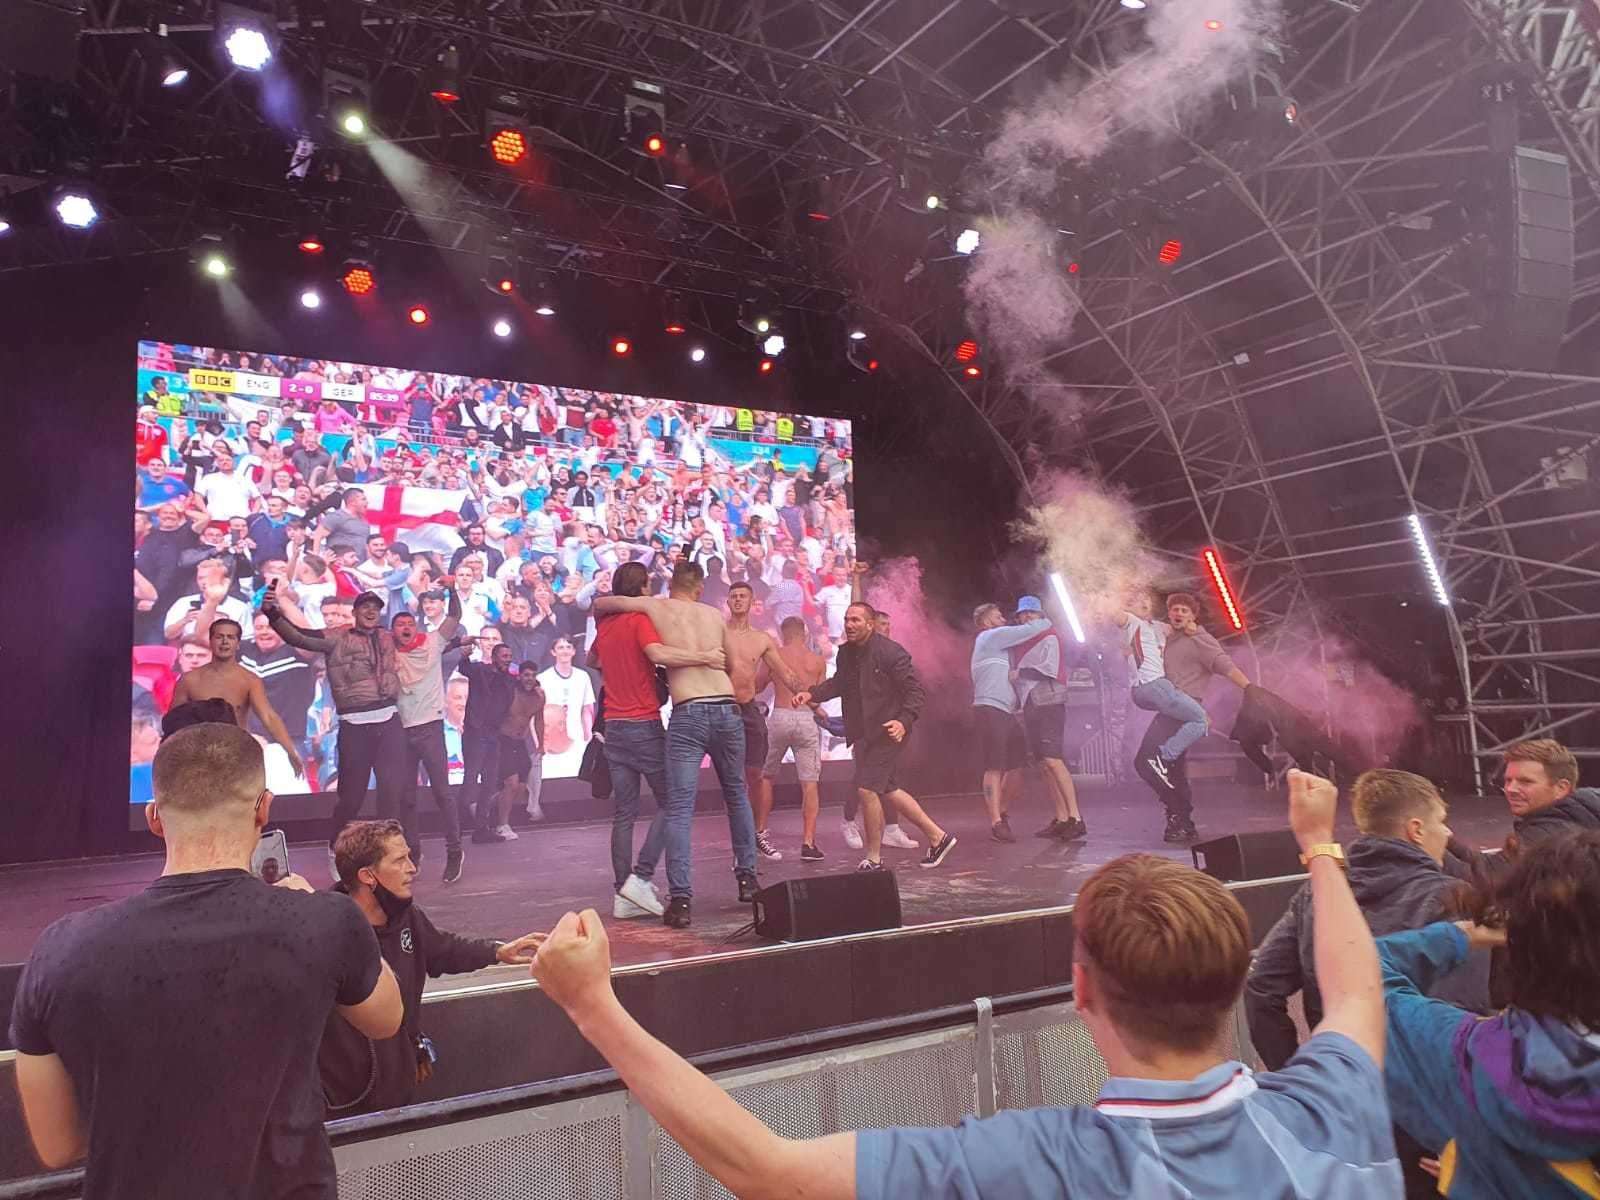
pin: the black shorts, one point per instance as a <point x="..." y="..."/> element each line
<point x="513" y="759"/>
<point x="1000" y="742"/>
<point x="876" y="760"/>
<point x="1044" y="725"/>
<point x="754" y="715"/>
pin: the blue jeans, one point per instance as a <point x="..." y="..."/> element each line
<point x="695" y="731"/>
<point x="635" y="750"/>
<point x="1162" y="696"/>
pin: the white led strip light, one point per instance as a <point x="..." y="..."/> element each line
<point x="1429" y="564"/>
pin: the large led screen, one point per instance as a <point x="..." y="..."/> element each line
<point x="334" y="478"/>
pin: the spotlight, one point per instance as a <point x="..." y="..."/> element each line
<point x="173" y="73"/>
<point x="311" y="246"/>
<point x="1073" y="268"/>
<point x="857" y="333"/>
<point x="506" y="130"/>
<point x="76" y="210"/>
<point x="621" y="347"/>
<point x="509" y="146"/>
<point x="308" y="234"/>
<point x="358" y="277"/>
<point x="544" y="300"/>
<point x="856" y="355"/>
<point x="655" y="145"/>
<point x="766" y="366"/>
<point x="248" y="48"/>
<point x="501" y="328"/>
<point x="676" y="323"/>
<point x="967" y="241"/>
<point x="5" y="226"/>
<point x="215" y="265"/>
<point x="1171" y="251"/>
<point x="773" y="346"/>
<point x="1133" y="4"/>
<point x="447" y="77"/>
<point x="417" y="315"/>
<point x="644" y="119"/>
<point x="697" y="355"/>
<point x="545" y="309"/>
<point x="311" y="298"/>
<point x="756" y="314"/>
<point x="353" y="124"/>
<point x="933" y="201"/>
<point x="347" y="99"/>
<point x="972" y="371"/>
<point x="500" y="276"/>
<point x="966" y="351"/>
<point x="1214" y="25"/>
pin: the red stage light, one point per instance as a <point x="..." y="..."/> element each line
<point x="972" y="370"/>
<point x="621" y="347"/>
<point x="1213" y="25"/>
<point x="1224" y="592"/>
<point x="766" y="366"/>
<point x="311" y="246"/>
<point x="358" y="281"/>
<point x="872" y="364"/>
<point x="444" y="95"/>
<point x="418" y="315"/>
<point x="675" y="327"/>
<point x="819" y="216"/>
<point x="1072" y="268"/>
<point x="1171" y="251"/>
<point x="967" y="351"/>
<point x="655" y="145"/>
<point x="509" y="146"/>
<point x="507" y="286"/>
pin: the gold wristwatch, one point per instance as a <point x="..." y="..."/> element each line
<point x="1331" y="850"/>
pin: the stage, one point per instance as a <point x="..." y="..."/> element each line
<point x="515" y="887"/>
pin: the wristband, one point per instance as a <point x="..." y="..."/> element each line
<point x="1331" y="850"/>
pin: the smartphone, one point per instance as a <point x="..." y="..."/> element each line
<point x="270" y="862"/>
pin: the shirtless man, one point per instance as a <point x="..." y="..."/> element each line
<point x="224" y="679"/>
<point x="794" y="729"/>
<point x="751" y="650"/>
<point x="705" y="721"/>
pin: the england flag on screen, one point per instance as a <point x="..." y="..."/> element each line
<point x="423" y="518"/>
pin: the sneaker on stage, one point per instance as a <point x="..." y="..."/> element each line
<point x="868" y="864"/>
<point x="747" y="886"/>
<point x="1179" y="830"/>
<point x="535" y="813"/>
<point x="809" y="853"/>
<point x="1054" y="829"/>
<point x="937" y="854"/>
<point x="677" y="914"/>
<point x="507" y="834"/>
<point x="894" y="837"/>
<point x="641" y="893"/>
<point x="852" y="834"/>
<point x="1156" y="764"/>
<point x="1072" y="829"/>
<point x="765" y="846"/>
<point x="453" y="860"/>
<point x="1000" y="831"/>
<point x="623" y="909"/>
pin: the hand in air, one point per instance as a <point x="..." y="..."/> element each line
<point x="573" y="963"/>
<point x="1313" y="804"/>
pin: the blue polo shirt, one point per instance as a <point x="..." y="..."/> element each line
<point x="1318" y="1128"/>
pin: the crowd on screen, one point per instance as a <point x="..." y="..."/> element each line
<point x="332" y="478"/>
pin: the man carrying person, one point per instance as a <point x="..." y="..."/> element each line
<point x="1159" y="959"/>
<point x="488" y="701"/>
<point x="628" y="649"/>
<point x="1001" y="747"/>
<point x="366" y="689"/>
<point x="882" y="699"/>
<point x="1042" y="671"/>
<point x="705" y="721"/>
<point x="204" y="985"/>
<point x="224" y="679"/>
<point x="1191" y="657"/>
<point x="419" y="664"/>
<point x="361" y="1073"/>
<point x="791" y="728"/>
<point x="750" y="649"/>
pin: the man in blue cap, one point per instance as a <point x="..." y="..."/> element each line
<point x="1041" y="670"/>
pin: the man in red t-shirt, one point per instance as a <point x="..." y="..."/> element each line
<point x="627" y="649"/>
<point x="149" y="438"/>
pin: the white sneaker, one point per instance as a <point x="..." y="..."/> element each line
<point x="507" y="832"/>
<point x="534" y="814"/>
<point x="852" y="834"/>
<point x="641" y="894"/>
<point x="622" y="908"/>
<point x="893" y="837"/>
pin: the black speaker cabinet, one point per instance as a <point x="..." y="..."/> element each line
<point x="800" y="910"/>
<point x="1241" y="856"/>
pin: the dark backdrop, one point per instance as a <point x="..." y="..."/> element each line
<point x="929" y="481"/>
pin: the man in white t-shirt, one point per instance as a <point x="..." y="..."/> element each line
<point x="1144" y="645"/>
<point x="834" y="599"/>
<point x="421" y="705"/>
<point x="191" y="615"/>
<point x="225" y="494"/>
<point x="566" y="732"/>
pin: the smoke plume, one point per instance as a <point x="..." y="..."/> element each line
<point x="1090" y="535"/>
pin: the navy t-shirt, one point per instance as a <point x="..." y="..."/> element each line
<point x="189" y="1018"/>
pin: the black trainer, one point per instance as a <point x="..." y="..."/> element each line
<point x="1179" y="829"/>
<point x="1055" y="829"/>
<point x="677" y="914"/>
<point x="1072" y="829"/>
<point x="747" y="886"/>
<point x="809" y="853"/>
<point x="1159" y="768"/>
<point x="937" y="854"/>
<point x="453" y="859"/>
<point x="1000" y="831"/>
<point x="869" y="864"/>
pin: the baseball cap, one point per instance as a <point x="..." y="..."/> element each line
<point x="1029" y="604"/>
<point x="367" y="598"/>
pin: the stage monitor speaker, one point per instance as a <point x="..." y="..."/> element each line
<point x="1533" y="256"/>
<point x="1241" y="856"/>
<point x="801" y="910"/>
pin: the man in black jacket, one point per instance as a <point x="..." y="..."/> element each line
<point x="361" y="1074"/>
<point x="1542" y="792"/>
<point x="882" y="698"/>
<point x="1396" y="872"/>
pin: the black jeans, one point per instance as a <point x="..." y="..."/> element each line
<point x="425" y="747"/>
<point x="1179" y="803"/>
<point x="365" y="750"/>
<point x="480" y="756"/>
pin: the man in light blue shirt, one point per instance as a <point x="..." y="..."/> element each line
<point x="1001" y="746"/>
<point x="1159" y="961"/>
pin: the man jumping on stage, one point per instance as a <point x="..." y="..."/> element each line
<point x="882" y="699"/>
<point x="705" y="721"/>
<point x="1145" y="641"/>
<point x="224" y="679"/>
<point x="1192" y="656"/>
<point x="749" y="647"/>
<point x="994" y="707"/>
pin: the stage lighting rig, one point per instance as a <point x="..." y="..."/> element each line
<point x="859" y="356"/>
<point x="213" y="254"/>
<point x="358" y="277"/>
<point x="75" y="207"/>
<point x="500" y="276"/>
<point x="505" y="127"/>
<point x="445" y="84"/>
<point x="501" y="328"/>
<point x="644" y="119"/>
<point x="248" y="36"/>
<point x="773" y="345"/>
<point x="758" y="314"/>
<point x="621" y="345"/>
<point x="310" y="299"/>
<point x="697" y="354"/>
<point x="418" y="315"/>
<point x="543" y="299"/>
<point x="675" y="320"/>
<point x="347" y="101"/>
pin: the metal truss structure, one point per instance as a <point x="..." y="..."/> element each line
<point x="1319" y="363"/>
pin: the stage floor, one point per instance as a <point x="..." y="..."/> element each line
<point x="528" y="884"/>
